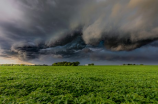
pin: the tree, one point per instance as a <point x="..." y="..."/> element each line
<point x="69" y="64"/>
<point x="92" y="64"/>
<point x="72" y="64"/>
<point x="66" y="64"/>
<point x="55" y="64"/>
<point x="76" y="63"/>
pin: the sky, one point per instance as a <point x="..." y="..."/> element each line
<point x="104" y="32"/>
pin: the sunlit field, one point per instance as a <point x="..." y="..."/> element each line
<point x="78" y="85"/>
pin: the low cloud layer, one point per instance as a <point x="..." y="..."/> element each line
<point x="125" y="30"/>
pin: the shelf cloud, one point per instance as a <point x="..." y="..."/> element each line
<point x="79" y="29"/>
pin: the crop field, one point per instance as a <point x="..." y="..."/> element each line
<point x="78" y="85"/>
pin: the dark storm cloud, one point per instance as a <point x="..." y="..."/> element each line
<point x="44" y="24"/>
<point x="29" y="50"/>
<point x="125" y="22"/>
<point x="67" y="50"/>
<point x="30" y="29"/>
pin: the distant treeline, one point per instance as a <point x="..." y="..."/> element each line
<point x="66" y="63"/>
<point x="55" y="64"/>
<point x="21" y="65"/>
<point x="92" y="64"/>
<point x="13" y="65"/>
<point x="133" y="64"/>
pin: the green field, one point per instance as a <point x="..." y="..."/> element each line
<point x="78" y="85"/>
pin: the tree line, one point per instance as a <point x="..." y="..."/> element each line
<point x="66" y="63"/>
<point x="12" y="65"/>
<point x="21" y="65"/>
<point x="132" y="64"/>
<point x="92" y="64"/>
<point x="54" y="64"/>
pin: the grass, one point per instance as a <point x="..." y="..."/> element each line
<point x="78" y="85"/>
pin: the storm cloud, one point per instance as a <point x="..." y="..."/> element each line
<point x="79" y="29"/>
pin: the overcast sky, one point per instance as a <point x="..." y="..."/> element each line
<point x="98" y="31"/>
